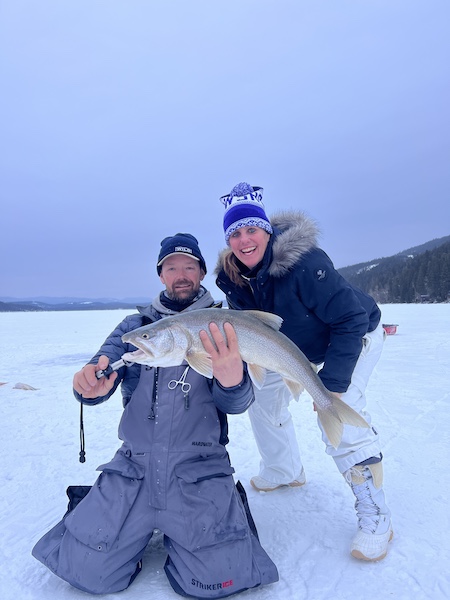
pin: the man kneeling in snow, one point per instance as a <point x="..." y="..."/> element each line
<point x="172" y="472"/>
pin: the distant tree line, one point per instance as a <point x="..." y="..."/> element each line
<point x="401" y="278"/>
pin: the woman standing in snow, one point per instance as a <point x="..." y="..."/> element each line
<point x="276" y="266"/>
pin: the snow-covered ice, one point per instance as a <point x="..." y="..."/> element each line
<point x="306" y="531"/>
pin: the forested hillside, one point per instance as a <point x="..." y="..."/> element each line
<point x="420" y="274"/>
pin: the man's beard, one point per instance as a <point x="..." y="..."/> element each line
<point x="180" y="297"/>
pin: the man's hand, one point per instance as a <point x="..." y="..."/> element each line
<point x="86" y="383"/>
<point x="227" y="363"/>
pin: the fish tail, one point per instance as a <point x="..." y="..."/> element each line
<point x="331" y="423"/>
<point x="333" y="418"/>
<point x="348" y="415"/>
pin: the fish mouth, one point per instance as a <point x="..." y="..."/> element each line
<point x="136" y="356"/>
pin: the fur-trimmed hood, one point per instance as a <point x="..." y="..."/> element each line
<point x="295" y="235"/>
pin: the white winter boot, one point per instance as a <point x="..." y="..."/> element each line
<point x="374" y="517"/>
<point x="262" y="485"/>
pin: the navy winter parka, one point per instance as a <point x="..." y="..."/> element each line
<point x="322" y="313"/>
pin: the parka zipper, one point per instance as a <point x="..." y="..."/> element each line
<point x="154" y="395"/>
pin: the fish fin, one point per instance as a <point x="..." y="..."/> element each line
<point x="257" y="375"/>
<point x="295" y="387"/>
<point x="273" y="321"/>
<point x="348" y="415"/>
<point x="201" y="362"/>
<point x="331" y="424"/>
<point x="333" y="418"/>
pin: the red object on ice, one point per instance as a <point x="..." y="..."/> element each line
<point x="390" y="329"/>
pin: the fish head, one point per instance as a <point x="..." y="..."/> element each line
<point x="158" y="345"/>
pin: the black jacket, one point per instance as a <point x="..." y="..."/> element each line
<point x="323" y="314"/>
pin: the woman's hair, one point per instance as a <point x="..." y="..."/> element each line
<point x="231" y="268"/>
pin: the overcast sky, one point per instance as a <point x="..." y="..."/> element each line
<point x="123" y="122"/>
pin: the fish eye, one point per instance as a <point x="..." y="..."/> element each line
<point x="145" y="336"/>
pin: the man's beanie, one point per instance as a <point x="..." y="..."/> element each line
<point x="244" y="208"/>
<point x="180" y="243"/>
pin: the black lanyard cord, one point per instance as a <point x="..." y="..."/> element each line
<point x="82" y="446"/>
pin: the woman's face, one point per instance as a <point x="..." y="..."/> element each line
<point x="249" y="244"/>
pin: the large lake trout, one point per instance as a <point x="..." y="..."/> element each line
<point x="262" y="346"/>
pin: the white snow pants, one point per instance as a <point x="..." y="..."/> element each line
<point x="274" y="431"/>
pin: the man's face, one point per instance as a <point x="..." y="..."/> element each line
<point x="182" y="276"/>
